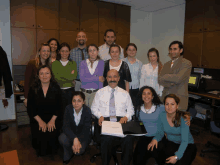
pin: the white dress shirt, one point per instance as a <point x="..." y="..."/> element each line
<point x="123" y="103"/>
<point x="149" y="77"/>
<point x="92" y="70"/>
<point x="104" y="52"/>
<point x="77" y="117"/>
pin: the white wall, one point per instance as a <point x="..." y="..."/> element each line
<point x="9" y="112"/>
<point x="167" y="26"/>
<point x="141" y="33"/>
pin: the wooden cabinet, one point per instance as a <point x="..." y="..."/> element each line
<point x="89" y="16"/>
<point x="23" y="45"/>
<point x="36" y="21"/>
<point x="22" y="13"/>
<point x="106" y="16"/>
<point x="202" y="32"/>
<point x="44" y="35"/>
<point x="123" y="19"/>
<point x="69" y="15"/>
<point x="47" y="14"/>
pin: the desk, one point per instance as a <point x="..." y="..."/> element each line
<point x="210" y="96"/>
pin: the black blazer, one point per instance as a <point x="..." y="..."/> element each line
<point x="124" y="74"/>
<point x="5" y="73"/>
<point x="82" y="131"/>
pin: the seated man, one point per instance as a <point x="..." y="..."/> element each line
<point x="114" y="104"/>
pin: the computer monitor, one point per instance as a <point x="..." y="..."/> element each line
<point x="193" y="83"/>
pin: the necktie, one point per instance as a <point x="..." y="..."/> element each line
<point x="171" y="64"/>
<point x="112" y="111"/>
<point x="83" y="57"/>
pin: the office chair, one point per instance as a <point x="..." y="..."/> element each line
<point x="191" y="109"/>
<point x="96" y="131"/>
<point x="215" y="128"/>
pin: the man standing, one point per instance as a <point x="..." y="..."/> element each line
<point x="109" y="38"/>
<point x="113" y="103"/>
<point x="175" y="75"/>
<point x="78" y="54"/>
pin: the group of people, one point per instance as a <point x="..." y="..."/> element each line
<point x="64" y="88"/>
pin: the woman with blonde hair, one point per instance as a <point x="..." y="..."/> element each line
<point x="42" y="58"/>
<point x="150" y="71"/>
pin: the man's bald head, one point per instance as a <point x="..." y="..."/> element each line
<point x="113" y="78"/>
<point x="81" y="38"/>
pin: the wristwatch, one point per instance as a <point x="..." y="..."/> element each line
<point x="176" y="157"/>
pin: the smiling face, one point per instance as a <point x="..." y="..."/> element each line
<point x="77" y="102"/>
<point x="170" y="105"/>
<point x="110" y="38"/>
<point x="175" y="51"/>
<point x="112" y="78"/>
<point x="45" y="75"/>
<point x="64" y="52"/>
<point x="93" y="53"/>
<point x="153" y="57"/>
<point x="53" y="45"/>
<point x="131" y="51"/>
<point x="147" y="96"/>
<point x="81" y="38"/>
<point x="114" y="53"/>
<point x="44" y="52"/>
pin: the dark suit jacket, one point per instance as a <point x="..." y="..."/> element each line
<point x="5" y="73"/>
<point x="82" y="131"/>
<point x="175" y="80"/>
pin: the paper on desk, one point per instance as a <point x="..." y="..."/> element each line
<point x="112" y="129"/>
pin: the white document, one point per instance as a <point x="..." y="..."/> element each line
<point x="112" y="129"/>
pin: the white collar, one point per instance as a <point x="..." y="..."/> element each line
<point x="151" y="110"/>
<point x="80" y="112"/>
<point x="110" y="89"/>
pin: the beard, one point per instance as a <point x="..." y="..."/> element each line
<point x="81" y="42"/>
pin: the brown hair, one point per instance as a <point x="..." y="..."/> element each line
<point x="37" y="57"/>
<point x="97" y="48"/>
<point x="160" y="65"/>
<point x="179" y="114"/>
<point x="115" y="45"/>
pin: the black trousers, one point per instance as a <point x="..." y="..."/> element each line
<point x="141" y="154"/>
<point x="133" y="93"/>
<point x="168" y="148"/>
<point x="109" y="145"/>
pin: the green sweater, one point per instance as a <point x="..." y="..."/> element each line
<point x="62" y="74"/>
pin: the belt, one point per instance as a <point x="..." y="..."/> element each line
<point x="89" y="91"/>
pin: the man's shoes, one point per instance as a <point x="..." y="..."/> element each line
<point x="67" y="161"/>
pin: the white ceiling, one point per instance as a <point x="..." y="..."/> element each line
<point x="148" y="5"/>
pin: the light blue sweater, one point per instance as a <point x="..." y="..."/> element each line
<point x="150" y="120"/>
<point x="180" y="135"/>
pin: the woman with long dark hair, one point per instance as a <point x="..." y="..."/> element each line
<point x="44" y="107"/>
<point x="179" y="147"/>
<point x="42" y="58"/>
<point x="55" y="47"/>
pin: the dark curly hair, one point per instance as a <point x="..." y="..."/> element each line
<point x="58" y="44"/>
<point x="156" y="100"/>
<point x="37" y="83"/>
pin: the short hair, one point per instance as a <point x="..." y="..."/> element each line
<point x="58" y="44"/>
<point x="64" y="44"/>
<point x="180" y="46"/>
<point x="109" y="30"/>
<point x="131" y="44"/>
<point x="114" y="45"/>
<point x="97" y="48"/>
<point x="79" y="93"/>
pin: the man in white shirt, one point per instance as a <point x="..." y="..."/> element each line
<point x="120" y="110"/>
<point x="109" y="38"/>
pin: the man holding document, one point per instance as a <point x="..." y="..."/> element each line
<point x="114" y="104"/>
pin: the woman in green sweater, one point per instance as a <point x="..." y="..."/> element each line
<point x="65" y="72"/>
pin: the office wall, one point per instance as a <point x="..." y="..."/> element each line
<point x="141" y="33"/>
<point x="9" y="112"/>
<point x="167" y="26"/>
